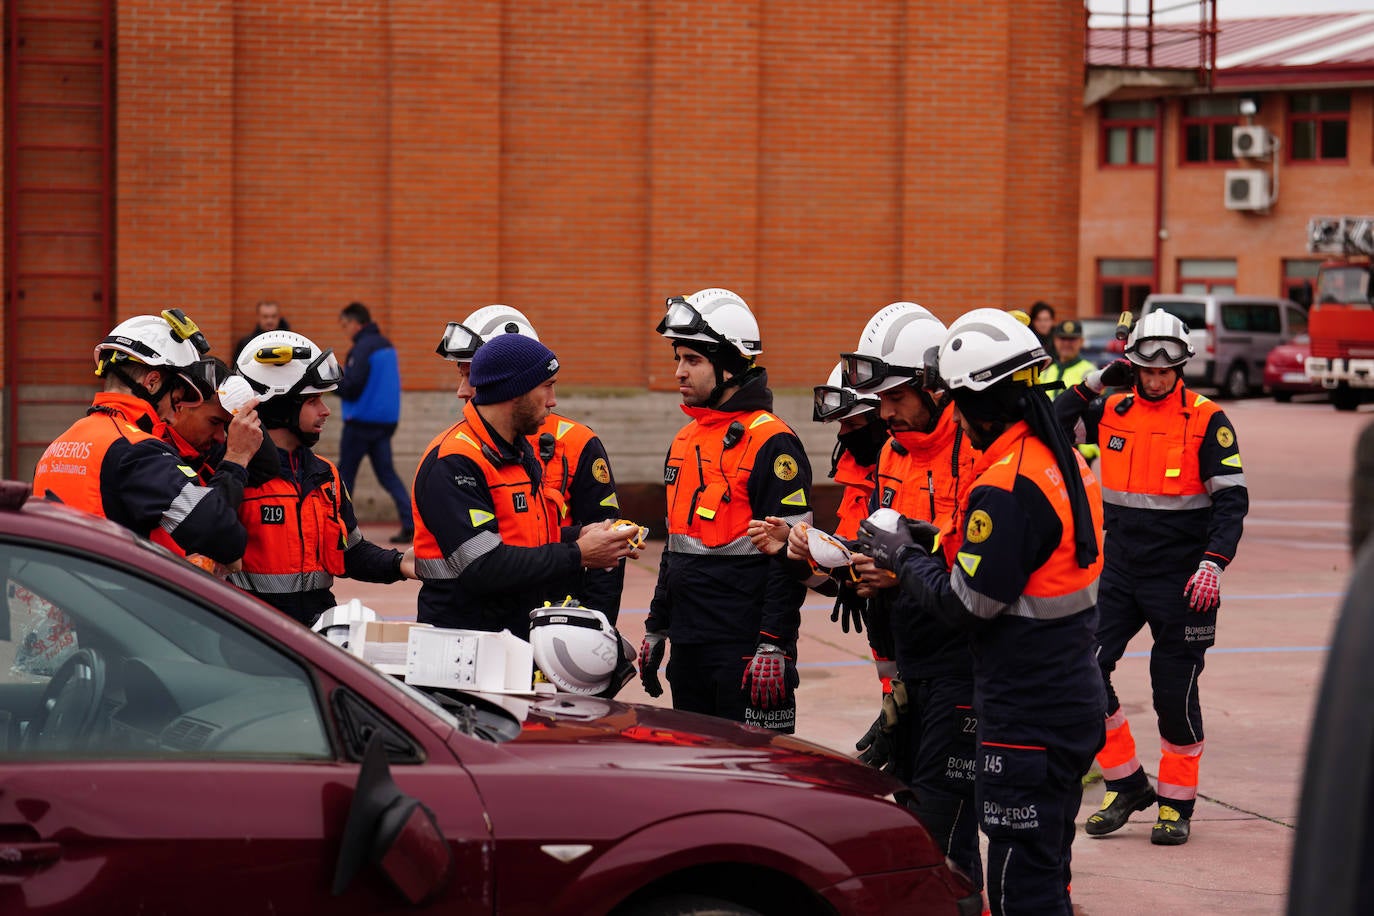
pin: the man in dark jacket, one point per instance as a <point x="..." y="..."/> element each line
<point x="371" y="396"/>
<point x="269" y="319"/>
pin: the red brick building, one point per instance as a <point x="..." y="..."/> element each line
<point x="1175" y="200"/>
<point x="578" y="161"/>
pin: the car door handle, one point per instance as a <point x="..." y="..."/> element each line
<point x="14" y="855"/>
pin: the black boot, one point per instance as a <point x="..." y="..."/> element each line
<point x="1117" y="808"/>
<point x="1171" y="829"/>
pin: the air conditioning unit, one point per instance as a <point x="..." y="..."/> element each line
<point x="1250" y="142"/>
<point x="1247" y="189"/>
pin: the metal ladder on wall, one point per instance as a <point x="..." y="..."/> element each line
<point x="59" y="215"/>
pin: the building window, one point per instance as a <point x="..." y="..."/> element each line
<point x="1299" y="279"/>
<point x="1200" y="276"/>
<point x="1206" y="128"/>
<point x="1318" y="126"/>
<point x="1128" y="133"/>
<point x="1123" y="284"/>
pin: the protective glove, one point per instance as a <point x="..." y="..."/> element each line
<point x="1204" y="589"/>
<point x="1116" y="374"/>
<point x="650" y="657"/>
<point x="765" y="676"/>
<point x="846" y="610"/>
<point x="875" y="747"/>
<point x="887" y="548"/>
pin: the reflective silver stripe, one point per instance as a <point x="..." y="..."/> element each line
<point x="685" y="543"/>
<point x="282" y="583"/>
<point x="466" y="553"/>
<point x="1155" y="500"/>
<point x="1030" y="606"/>
<point x="1222" y="481"/>
<point x="791" y="520"/>
<point x="355" y="537"/>
<point x="185" y="503"/>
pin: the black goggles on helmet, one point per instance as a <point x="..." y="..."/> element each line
<point x="323" y="372"/>
<point x="865" y="372"/>
<point x="831" y="403"/>
<point x="206" y="375"/>
<point x="682" y="317"/>
<point x="459" y="342"/>
<point x="1150" y="349"/>
<point x="931" y="379"/>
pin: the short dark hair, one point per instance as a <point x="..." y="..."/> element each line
<point x="1041" y="307"/>
<point x="356" y="311"/>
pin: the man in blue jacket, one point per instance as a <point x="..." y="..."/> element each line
<point x="371" y="396"/>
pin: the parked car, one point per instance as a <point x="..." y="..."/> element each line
<point x="1100" y="345"/>
<point x="168" y="743"/>
<point x="1285" y="372"/>
<point x="1231" y="336"/>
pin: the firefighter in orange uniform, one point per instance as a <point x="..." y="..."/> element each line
<point x="575" y="469"/>
<point x="1024" y="582"/>
<point x="113" y="462"/>
<point x="731" y="611"/>
<point x="1175" y="504"/>
<point x="301" y="529"/>
<point x="488" y="543"/>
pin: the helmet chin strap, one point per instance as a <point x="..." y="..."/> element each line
<point x="1178" y="377"/>
<point x="284" y="412"/>
<point x="152" y="397"/>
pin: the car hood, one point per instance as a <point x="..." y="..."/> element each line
<point x="587" y="732"/>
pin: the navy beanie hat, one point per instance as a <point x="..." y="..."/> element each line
<point x="508" y="366"/>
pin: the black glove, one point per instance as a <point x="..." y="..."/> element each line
<point x="1116" y="374"/>
<point x="848" y="609"/>
<point x="875" y="748"/>
<point x="888" y="547"/>
<point x="650" y="657"/>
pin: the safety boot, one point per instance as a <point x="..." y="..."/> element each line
<point x="1117" y="808"/>
<point x="1171" y="829"/>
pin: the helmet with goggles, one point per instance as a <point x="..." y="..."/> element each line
<point x="1159" y="340"/>
<point x="579" y="651"/>
<point x="892" y="349"/>
<point x="286" y="364"/>
<point x="713" y="316"/>
<point x="984" y="347"/>
<point x="462" y="338"/>
<point x="168" y="341"/>
<point x="836" y="401"/>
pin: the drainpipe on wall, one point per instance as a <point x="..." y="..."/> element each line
<point x="1159" y="193"/>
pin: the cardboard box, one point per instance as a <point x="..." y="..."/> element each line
<point x="382" y="643"/>
<point x="470" y="660"/>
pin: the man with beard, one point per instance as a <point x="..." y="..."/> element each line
<point x="488" y="544"/>
<point x="731" y="610"/>
<point x="301" y="528"/>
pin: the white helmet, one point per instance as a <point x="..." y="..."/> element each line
<point x="335" y="623"/>
<point x="462" y="338"/>
<point x="168" y="340"/>
<point x="714" y="316"/>
<point x="284" y="363"/>
<point x="579" y="651"/>
<point x="985" y="346"/>
<point x="1159" y="340"/>
<point x="892" y="349"/>
<point x="836" y="401"/>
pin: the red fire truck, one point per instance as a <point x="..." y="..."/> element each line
<point x="1341" y="324"/>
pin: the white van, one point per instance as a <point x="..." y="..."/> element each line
<point x="1231" y="336"/>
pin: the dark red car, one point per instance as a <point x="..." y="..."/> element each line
<point x="168" y="744"/>
<point x="1284" y="370"/>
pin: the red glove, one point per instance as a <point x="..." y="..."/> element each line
<point x="1204" y="589"/>
<point x="765" y="676"/>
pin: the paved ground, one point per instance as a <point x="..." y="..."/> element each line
<point x="1278" y="608"/>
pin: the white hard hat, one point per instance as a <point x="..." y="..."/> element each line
<point x="837" y="401"/>
<point x="579" y="651"/>
<point x="892" y="348"/>
<point x="170" y="340"/>
<point x="335" y="623"/>
<point x="985" y="346"/>
<point x="284" y="363"/>
<point x="716" y="316"/>
<point x="462" y="338"/>
<point x="1159" y="340"/>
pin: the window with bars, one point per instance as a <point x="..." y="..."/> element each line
<point x="1205" y="128"/>
<point x="1318" y="126"/>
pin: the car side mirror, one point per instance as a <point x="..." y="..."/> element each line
<point x="393" y="831"/>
